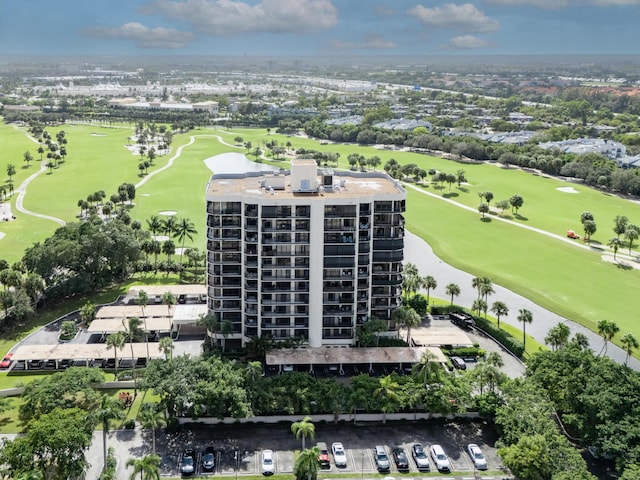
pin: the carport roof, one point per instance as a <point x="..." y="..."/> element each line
<point x="189" y="313"/>
<point x="438" y="336"/>
<point x="348" y="356"/>
<point x="195" y="289"/>
<point x="82" y="351"/>
<point x="111" y="325"/>
<point x="126" y="311"/>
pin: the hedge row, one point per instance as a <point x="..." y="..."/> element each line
<point x="512" y="344"/>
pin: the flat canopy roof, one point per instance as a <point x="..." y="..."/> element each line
<point x="82" y="351"/>
<point x="112" y="325"/>
<point x="189" y="312"/>
<point x="126" y="311"/>
<point x="194" y="289"/>
<point x="347" y="356"/>
<point x="440" y="336"/>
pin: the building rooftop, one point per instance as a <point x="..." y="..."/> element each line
<point x="345" y="184"/>
<point x="350" y="356"/>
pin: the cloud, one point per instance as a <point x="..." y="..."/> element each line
<point x="144" y="37"/>
<point x="467" y="42"/>
<point x="465" y="17"/>
<point x="232" y="17"/>
<point x="558" y="4"/>
<point x="373" y="42"/>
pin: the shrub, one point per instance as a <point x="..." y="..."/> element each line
<point x="510" y="343"/>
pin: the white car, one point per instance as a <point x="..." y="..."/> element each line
<point x="477" y="457"/>
<point x="339" y="455"/>
<point x="440" y="458"/>
<point x="268" y="467"/>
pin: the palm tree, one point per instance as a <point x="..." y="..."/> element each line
<point x="253" y="371"/>
<point x="166" y="346"/>
<point x="499" y="309"/>
<point x="306" y="464"/>
<point x="427" y="368"/>
<point x="169" y="299"/>
<point x="116" y="340"/>
<point x="429" y="283"/>
<point x="408" y="318"/>
<point x="169" y="225"/>
<point x="212" y="324"/>
<point x="607" y="330"/>
<point x="629" y="344"/>
<point x="358" y="398"/>
<point x="168" y="248"/>
<point x="152" y="419"/>
<point x="615" y="243"/>
<point x="88" y="313"/>
<point x="388" y="393"/>
<point x="132" y="331"/>
<point x="109" y="409"/>
<point x="154" y="224"/>
<point x="184" y="229"/>
<point x="453" y="290"/>
<point x="524" y="316"/>
<point x="479" y="305"/>
<point x="304" y="428"/>
<point x="558" y="336"/>
<point x="226" y="329"/>
<point x="148" y="467"/>
<point x="143" y="300"/>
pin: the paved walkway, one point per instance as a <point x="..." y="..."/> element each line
<point x="418" y="252"/>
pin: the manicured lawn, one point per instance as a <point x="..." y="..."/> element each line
<point x="573" y="282"/>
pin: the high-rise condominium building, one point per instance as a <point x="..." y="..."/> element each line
<point x="309" y="254"/>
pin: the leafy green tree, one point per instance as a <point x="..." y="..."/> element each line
<point x="615" y="243"/>
<point x="53" y="444"/>
<point x="306" y="464"/>
<point x="607" y="330"/>
<point x="212" y="324"/>
<point x="408" y="318"/>
<point x="483" y="208"/>
<point x="166" y="346"/>
<point x="27" y="157"/>
<point x="530" y="458"/>
<point x="516" y="202"/>
<point x="502" y="205"/>
<point x="590" y="228"/>
<point x="453" y="290"/>
<point x="427" y="370"/>
<point x="620" y="225"/>
<point x="148" y="467"/>
<point x="629" y="344"/>
<point x="558" y="336"/>
<point x="88" y="313"/>
<point x="631" y="234"/>
<point x="524" y="316"/>
<point x="499" y="309"/>
<point x="488" y="196"/>
<point x="631" y="472"/>
<point x="387" y="393"/>
<point x="108" y="410"/>
<point x="303" y="429"/>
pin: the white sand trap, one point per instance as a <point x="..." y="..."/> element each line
<point x="2" y="235"/>
<point x="621" y="261"/>
<point x="567" y="189"/>
<point x="5" y="212"/>
<point x="145" y="194"/>
<point x="160" y="238"/>
<point x="98" y="135"/>
<point x="168" y="213"/>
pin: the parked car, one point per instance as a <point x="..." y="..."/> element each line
<point x="268" y="467"/>
<point x="477" y="457"/>
<point x="458" y="363"/>
<point x="420" y="457"/>
<point x="339" y="455"/>
<point x="188" y="463"/>
<point x="381" y="459"/>
<point x="209" y="460"/>
<point x="400" y="459"/>
<point x="323" y="456"/>
<point x="6" y="361"/>
<point x="440" y="458"/>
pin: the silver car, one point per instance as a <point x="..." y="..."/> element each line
<point x="268" y="467"/>
<point x="477" y="457"/>
<point x="440" y="458"/>
<point x="339" y="455"/>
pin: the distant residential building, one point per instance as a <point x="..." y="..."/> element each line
<point x="580" y="146"/>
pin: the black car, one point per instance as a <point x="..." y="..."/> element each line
<point x="209" y="460"/>
<point x="400" y="458"/>
<point x="188" y="462"/>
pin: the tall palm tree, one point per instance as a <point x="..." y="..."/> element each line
<point x="524" y="316"/>
<point x="558" y="336"/>
<point x="143" y="300"/>
<point x="169" y="299"/>
<point x="629" y="344"/>
<point x="607" y="330"/>
<point x="429" y="283"/>
<point x="109" y="409"/>
<point x="453" y="290"/>
<point x="116" y="340"/>
<point x="408" y="318"/>
<point x="184" y="229"/>
<point x="132" y="330"/>
<point x="148" y="467"/>
<point x="169" y="225"/>
<point x="166" y="346"/>
<point x="358" y="398"/>
<point x="388" y="393"/>
<point x="154" y="224"/>
<point x="499" y="309"/>
<point x="226" y="329"/>
<point x="304" y="428"/>
<point x="306" y="464"/>
<point x="253" y="371"/>
<point x="427" y="369"/>
<point x="212" y="324"/>
<point x="152" y="419"/>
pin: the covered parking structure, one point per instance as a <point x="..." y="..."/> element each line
<point x="61" y="356"/>
<point x="442" y="336"/>
<point x="194" y="293"/>
<point x="349" y="361"/>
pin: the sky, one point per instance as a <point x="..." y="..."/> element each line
<point x="318" y="27"/>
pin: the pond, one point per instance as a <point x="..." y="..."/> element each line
<point x="233" y="162"/>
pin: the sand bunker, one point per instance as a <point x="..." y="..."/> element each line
<point x="160" y="238"/>
<point x="98" y="135"/>
<point x="5" y="212"/>
<point x="623" y="262"/>
<point x="168" y="213"/>
<point x="567" y="189"/>
<point x="1" y="235"/>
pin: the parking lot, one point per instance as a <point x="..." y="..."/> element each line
<point x="238" y="448"/>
